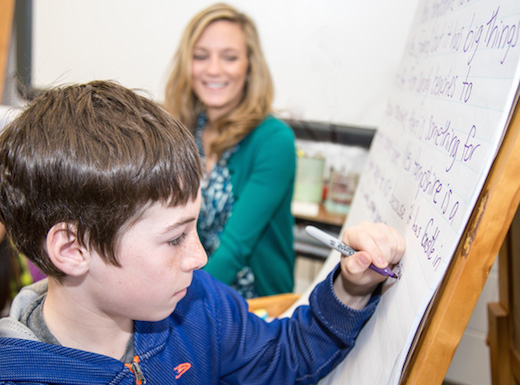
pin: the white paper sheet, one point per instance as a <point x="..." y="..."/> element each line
<point x="445" y="119"/>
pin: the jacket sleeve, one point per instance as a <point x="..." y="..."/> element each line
<point x="271" y="179"/>
<point x="297" y="350"/>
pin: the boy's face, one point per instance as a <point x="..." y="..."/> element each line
<point x="157" y="255"/>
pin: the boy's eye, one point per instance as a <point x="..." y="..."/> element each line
<point x="177" y="241"/>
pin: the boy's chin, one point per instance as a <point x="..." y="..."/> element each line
<point x="156" y="316"/>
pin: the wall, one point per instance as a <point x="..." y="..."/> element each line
<point x="331" y="60"/>
<point x="470" y="365"/>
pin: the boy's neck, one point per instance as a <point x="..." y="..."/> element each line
<point x="77" y="323"/>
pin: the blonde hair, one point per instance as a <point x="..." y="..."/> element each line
<point x="255" y="105"/>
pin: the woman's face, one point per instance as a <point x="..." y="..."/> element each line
<point x="219" y="67"/>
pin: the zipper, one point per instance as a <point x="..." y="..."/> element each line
<point x="136" y="370"/>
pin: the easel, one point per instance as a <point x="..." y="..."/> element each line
<point x="465" y="279"/>
<point x="6" y="23"/>
<point x="473" y="259"/>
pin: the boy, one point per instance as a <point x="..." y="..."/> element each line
<point x="99" y="187"/>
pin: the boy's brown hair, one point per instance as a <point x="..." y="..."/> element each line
<point x="93" y="156"/>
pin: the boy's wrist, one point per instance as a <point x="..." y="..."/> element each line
<point x="352" y="295"/>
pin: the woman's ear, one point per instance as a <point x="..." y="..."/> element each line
<point x="65" y="251"/>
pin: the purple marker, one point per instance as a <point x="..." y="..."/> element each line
<point x="347" y="251"/>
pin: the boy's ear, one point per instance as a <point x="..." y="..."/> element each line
<point x="65" y="251"/>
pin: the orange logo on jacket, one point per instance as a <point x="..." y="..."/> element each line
<point x="181" y="369"/>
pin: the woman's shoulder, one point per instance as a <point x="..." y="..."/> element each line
<point x="272" y="135"/>
<point x="275" y="122"/>
<point x="272" y="125"/>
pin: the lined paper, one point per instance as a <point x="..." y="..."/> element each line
<point x="444" y="122"/>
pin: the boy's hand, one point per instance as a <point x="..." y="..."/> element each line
<point x="379" y="244"/>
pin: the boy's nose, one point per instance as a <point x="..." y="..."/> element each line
<point x="198" y="257"/>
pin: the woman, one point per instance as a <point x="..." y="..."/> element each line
<point x="220" y="87"/>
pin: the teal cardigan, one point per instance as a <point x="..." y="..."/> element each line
<point x="259" y="232"/>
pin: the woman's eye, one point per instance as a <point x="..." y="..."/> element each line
<point x="231" y="58"/>
<point x="177" y="241"/>
<point x="200" y="57"/>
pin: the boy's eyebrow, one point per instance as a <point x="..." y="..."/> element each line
<point x="180" y="223"/>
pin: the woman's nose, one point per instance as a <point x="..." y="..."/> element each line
<point x="214" y="66"/>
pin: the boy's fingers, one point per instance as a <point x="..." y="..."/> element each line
<point x="368" y="245"/>
<point x="357" y="263"/>
<point x="400" y="246"/>
<point x="384" y="243"/>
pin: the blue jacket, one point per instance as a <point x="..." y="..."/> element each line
<point x="209" y="339"/>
